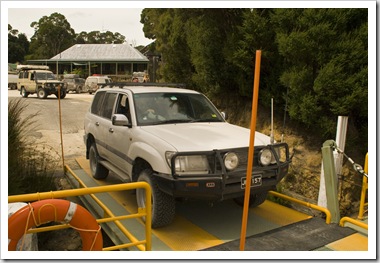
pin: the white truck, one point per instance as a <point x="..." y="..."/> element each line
<point x="12" y="80"/>
<point x="39" y="79"/>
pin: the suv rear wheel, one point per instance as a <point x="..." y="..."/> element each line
<point x="24" y="93"/>
<point x="163" y="205"/>
<point x="97" y="169"/>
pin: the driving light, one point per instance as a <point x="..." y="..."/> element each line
<point x="231" y="161"/>
<point x="265" y="157"/>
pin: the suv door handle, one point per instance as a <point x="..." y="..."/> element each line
<point x="110" y="130"/>
<point x="97" y="123"/>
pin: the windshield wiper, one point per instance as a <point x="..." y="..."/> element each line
<point x="206" y="120"/>
<point x="175" y="121"/>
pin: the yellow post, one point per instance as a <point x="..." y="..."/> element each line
<point x="364" y="190"/>
<point x="251" y="149"/>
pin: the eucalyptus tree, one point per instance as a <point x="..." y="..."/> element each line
<point x="52" y="35"/>
<point x="98" y="37"/>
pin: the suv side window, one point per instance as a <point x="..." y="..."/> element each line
<point x="123" y="106"/>
<point x="97" y="103"/>
<point x="109" y="102"/>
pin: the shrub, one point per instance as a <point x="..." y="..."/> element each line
<point x="30" y="167"/>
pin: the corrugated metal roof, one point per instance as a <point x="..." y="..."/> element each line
<point x="101" y="52"/>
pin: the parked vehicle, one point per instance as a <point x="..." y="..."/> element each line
<point x="74" y="83"/>
<point x="12" y="80"/>
<point x="92" y="83"/>
<point x="39" y="79"/>
<point x="140" y="77"/>
<point x="178" y="142"/>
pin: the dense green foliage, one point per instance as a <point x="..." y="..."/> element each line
<point x="313" y="60"/>
<point x="18" y="45"/>
<point x="97" y="37"/>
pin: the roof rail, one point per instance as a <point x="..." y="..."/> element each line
<point x="26" y="67"/>
<point x="144" y="84"/>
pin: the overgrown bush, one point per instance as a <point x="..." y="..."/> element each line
<point x="30" y="166"/>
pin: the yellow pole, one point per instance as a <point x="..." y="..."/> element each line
<point x="251" y="149"/>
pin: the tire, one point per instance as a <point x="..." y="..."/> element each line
<point x="78" y="89"/>
<point x="41" y="93"/>
<point x="98" y="171"/>
<point x="24" y="93"/>
<point x="163" y="205"/>
<point x="63" y="95"/>
<point x="254" y="200"/>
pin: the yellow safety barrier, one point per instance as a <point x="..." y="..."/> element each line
<point x="316" y="207"/>
<point x="363" y="203"/>
<point x="144" y="245"/>
<point x="352" y="221"/>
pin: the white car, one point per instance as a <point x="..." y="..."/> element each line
<point x="177" y="141"/>
<point x="92" y="83"/>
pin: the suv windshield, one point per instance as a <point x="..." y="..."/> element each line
<point x="161" y="108"/>
<point x="45" y="76"/>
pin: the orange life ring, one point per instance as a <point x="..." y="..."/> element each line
<point x="55" y="210"/>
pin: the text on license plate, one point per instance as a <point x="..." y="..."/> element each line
<point x="256" y="180"/>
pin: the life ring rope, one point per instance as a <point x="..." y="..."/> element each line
<point x="73" y="210"/>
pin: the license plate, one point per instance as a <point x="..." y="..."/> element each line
<point x="256" y="180"/>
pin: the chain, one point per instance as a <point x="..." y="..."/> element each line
<point x="357" y="167"/>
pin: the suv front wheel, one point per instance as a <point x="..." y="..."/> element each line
<point x="97" y="169"/>
<point x="163" y="205"/>
<point x="255" y="199"/>
<point x="41" y="93"/>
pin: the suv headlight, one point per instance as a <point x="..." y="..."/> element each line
<point x="189" y="164"/>
<point x="265" y="157"/>
<point x="231" y="161"/>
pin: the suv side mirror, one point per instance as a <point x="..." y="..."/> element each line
<point x="120" y="120"/>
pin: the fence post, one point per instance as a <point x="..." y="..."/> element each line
<point x="331" y="184"/>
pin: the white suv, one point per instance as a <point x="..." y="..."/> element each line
<point x="92" y="83"/>
<point x="178" y="142"/>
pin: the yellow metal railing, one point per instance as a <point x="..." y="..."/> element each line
<point x="363" y="203"/>
<point x="307" y="204"/>
<point x="144" y="245"/>
<point x="353" y="221"/>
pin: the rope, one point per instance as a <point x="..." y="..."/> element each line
<point x="89" y="230"/>
<point x="31" y="213"/>
<point x="357" y="167"/>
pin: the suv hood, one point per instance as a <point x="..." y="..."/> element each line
<point x="205" y="136"/>
<point x="49" y="81"/>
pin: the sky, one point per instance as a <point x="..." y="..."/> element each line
<point x="125" y="21"/>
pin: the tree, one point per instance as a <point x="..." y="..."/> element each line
<point x="325" y="54"/>
<point x="18" y="45"/>
<point x="315" y="59"/>
<point x="97" y="37"/>
<point x="52" y="34"/>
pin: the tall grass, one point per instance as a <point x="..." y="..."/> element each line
<point x="31" y="166"/>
